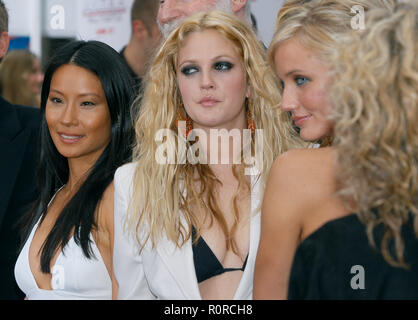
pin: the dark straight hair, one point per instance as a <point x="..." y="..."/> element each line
<point x="78" y="215"/>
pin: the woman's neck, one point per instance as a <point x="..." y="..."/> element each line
<point x="78" y="172"/>
<point x="220" y="146"/>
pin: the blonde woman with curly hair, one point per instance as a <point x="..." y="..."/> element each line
<point x="342" y="218"/>
<point x="21" y="78"/>
<point x="188" y="228"/>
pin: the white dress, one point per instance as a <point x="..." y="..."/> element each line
<point x="166" y="272"/>
<point x="74" y="277"/>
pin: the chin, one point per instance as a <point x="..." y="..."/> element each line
<point x="208" y="124"/>
<point x="314" y="134"/>
<point x="68" y="155"/>
<point x="310" y="137"/>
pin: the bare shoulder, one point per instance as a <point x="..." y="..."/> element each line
<point x="302" y="158"/>
<point x="302" y="166"/>
<point x="108" y="193"/>
<point x="301" y="178"/>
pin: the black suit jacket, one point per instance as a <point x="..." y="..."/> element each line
<point x="136" y="80"/>
<point x="19" y="130"/>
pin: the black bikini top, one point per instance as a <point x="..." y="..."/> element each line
<point x="206" y="264"/>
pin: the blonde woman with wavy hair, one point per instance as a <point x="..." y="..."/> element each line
<point x="352" y="234"/>
<point x="21" y="78"/>
<point x="211" y="71"/>
<point x="305" y="38"/>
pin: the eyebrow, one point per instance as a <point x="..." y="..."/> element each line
<point x="212" y="59"/>
<point x="293" y="71"/>
<point x="80" y="95"/>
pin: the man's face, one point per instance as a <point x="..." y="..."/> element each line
<point x="4" y="43"/>
<point x="172" y="12"/>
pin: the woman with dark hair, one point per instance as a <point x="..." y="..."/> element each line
<point x="86" y="133"/>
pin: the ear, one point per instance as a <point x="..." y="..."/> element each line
<point x="238" y="5"/>
<point x="4" y="43"/>
<point x="138" y="29"/>
<point x="248" y="92"/>
<point x="249" y="87"/>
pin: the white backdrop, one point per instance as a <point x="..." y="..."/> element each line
<point x="25" y="20"/>
<point x="265" y="12"/>
<point x="103" y="20"/>
<point x="106" y="21"/>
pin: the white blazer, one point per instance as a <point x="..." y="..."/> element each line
<point x="166" y="272"/>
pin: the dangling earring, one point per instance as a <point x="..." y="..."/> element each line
<point x="189" y="126"/>
<point x="189" y="123"/>
<point x="250" y="119"/>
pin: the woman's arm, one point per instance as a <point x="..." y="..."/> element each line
<point x="292" y="208"/>
<point x="280" y="231"/>
<point x="104" y="236"/>
<point x="106" y="222"/>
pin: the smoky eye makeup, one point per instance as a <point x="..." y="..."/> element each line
<point x="189" y="69"/>
<point x="223" y="66"/>
<point x="220" y="66"/>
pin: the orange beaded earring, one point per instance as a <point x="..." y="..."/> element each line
<point x="250" y="119"/>
<point x="189" y="123"/>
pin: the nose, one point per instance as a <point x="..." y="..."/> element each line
<point x="168" y="11"/>
<point x="289" y="99"/>
<point x="206" y="80"/>
<point x="69" y="115"/>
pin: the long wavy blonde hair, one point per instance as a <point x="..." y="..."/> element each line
<point x="318" y="25"/>
<point x="375" y="97"/>
<point x="159" y="198"/>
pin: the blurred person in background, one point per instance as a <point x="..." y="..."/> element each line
<point x="145" y="37"/>
<point x="172" y="12"/>
<point x="21" y="78"/>
<point x="19" y="129"/>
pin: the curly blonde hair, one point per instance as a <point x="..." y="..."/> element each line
<point x="159" y="190"/>
<point x="318" y="25"/>
<point x="375" y="97"/>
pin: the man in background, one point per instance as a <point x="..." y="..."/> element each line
<point x="4" y="28"/>
<point x="172" y="12"/>
<point x="19" y="129"/>
<point x="144" y="39"/>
